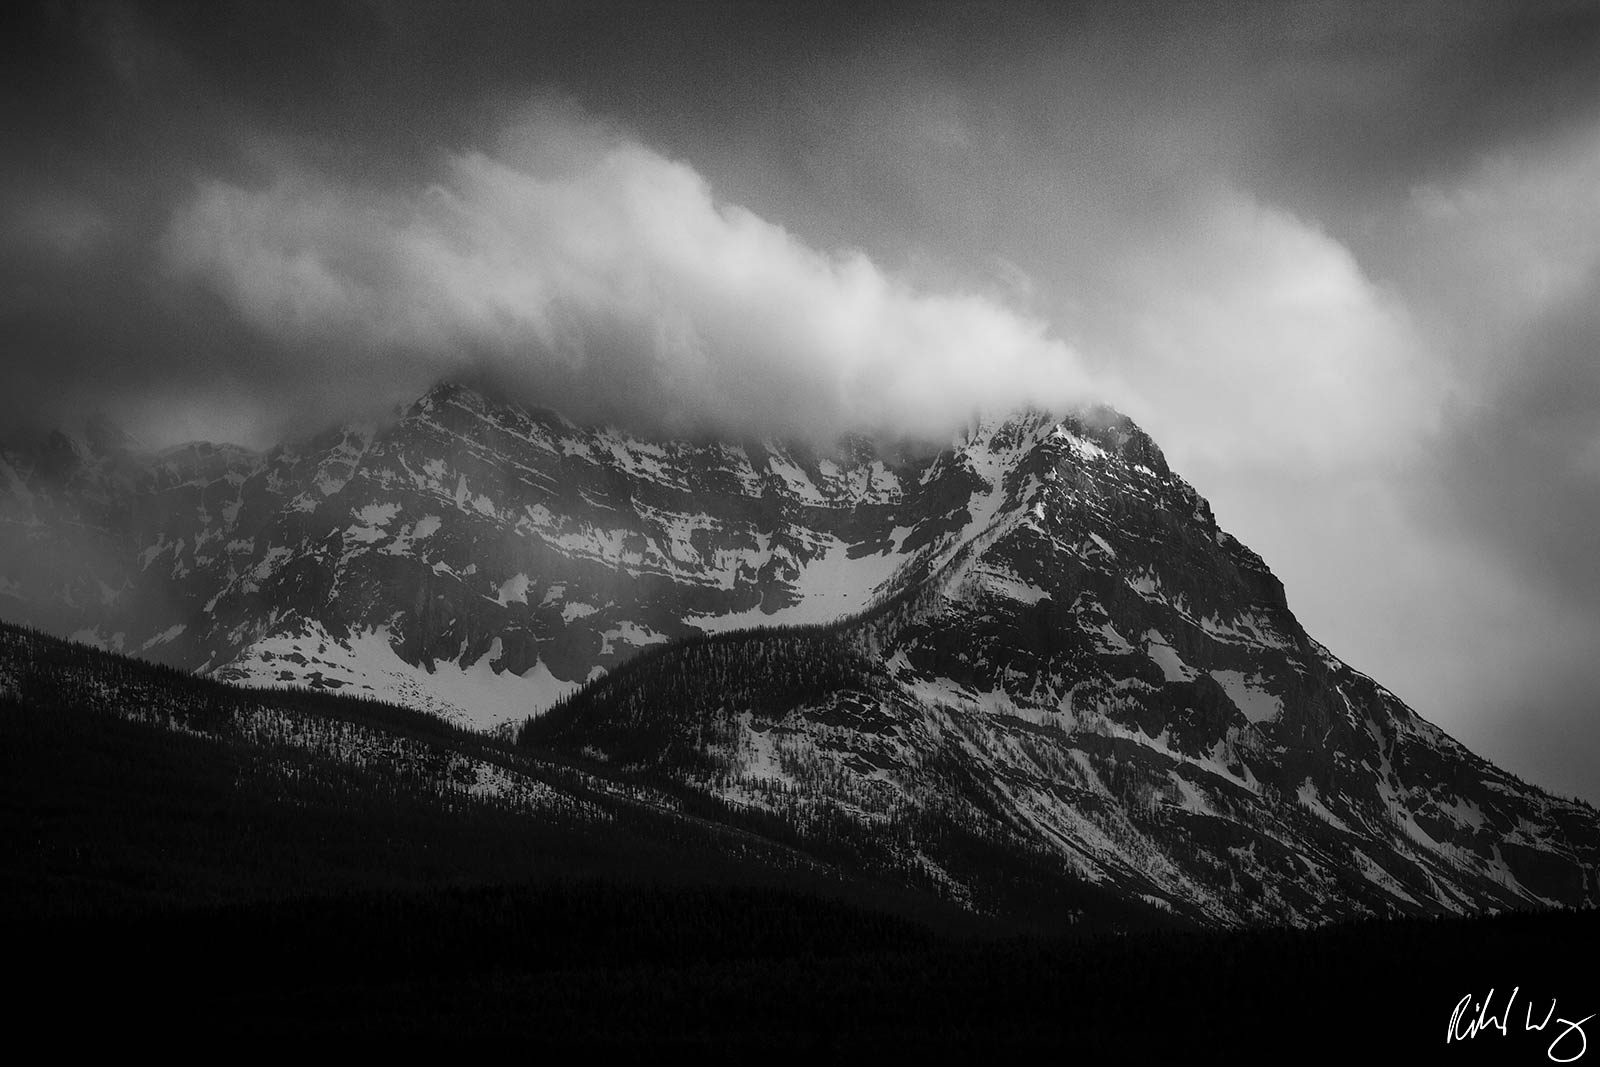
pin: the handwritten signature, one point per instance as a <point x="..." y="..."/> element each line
<point x="1467" y="1022"/>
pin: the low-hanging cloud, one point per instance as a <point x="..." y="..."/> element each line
<point x="594" y="274"/>
<point x="1255" y="343"/>
<point x="575" y="261"/>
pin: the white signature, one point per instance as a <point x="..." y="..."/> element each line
<point x="1467" y="1022"/>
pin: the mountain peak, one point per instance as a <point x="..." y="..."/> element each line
<point x="1097" y="425"/>
<point x="446" y="391"/>
<point x="483" y="401"/>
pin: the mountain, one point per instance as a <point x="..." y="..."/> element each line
<point x="1030" y="657"/>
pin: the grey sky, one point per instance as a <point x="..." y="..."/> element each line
<point x="1342" y="259"/>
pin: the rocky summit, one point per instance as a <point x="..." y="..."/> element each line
<point x="1034" y="642"/>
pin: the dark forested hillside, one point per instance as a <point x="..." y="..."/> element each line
<point x="125" y="787"/>
<point x="638" y="712"/>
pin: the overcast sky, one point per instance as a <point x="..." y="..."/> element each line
<point x="1341" y="259"/>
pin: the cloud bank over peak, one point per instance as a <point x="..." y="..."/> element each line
<point x="588" y="271"/>
<point x="578" y="267"/>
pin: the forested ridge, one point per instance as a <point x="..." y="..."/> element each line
<point x="641" y="709"/>
<point x="128" y="786"/>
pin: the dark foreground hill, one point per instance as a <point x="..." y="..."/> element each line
<point x="127" y="787"/>
<point x="186" y="863"/>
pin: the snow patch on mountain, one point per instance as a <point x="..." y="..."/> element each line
<point x="365" y="664"/>
<point x="1163" y="655"/>
<point x="1257" y="704"/>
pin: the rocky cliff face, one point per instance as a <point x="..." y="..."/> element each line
<point x="1057" y="649"/>
<point x="479" y="557"/>
<point x="1092" y="671"/>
